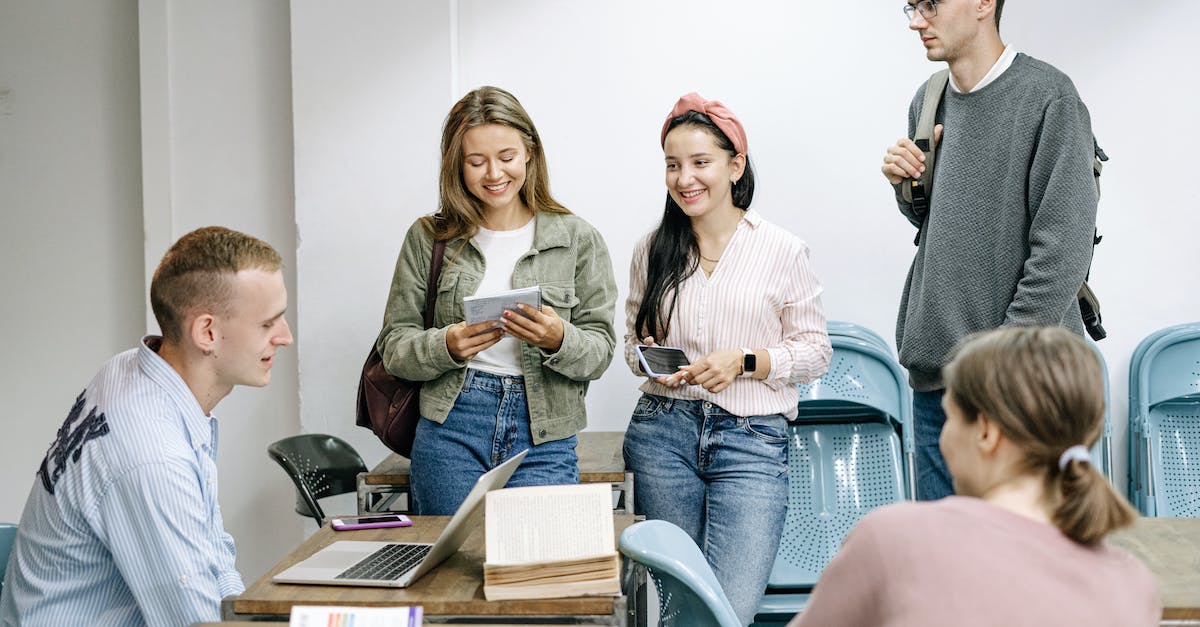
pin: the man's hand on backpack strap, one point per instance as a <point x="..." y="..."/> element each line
<point x="904" y="160"/>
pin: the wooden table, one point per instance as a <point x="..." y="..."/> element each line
<point x="1170" y="547"/>
<point x="600" y="461"/>
<point x="452" y="592"/>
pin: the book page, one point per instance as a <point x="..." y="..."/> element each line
<point x="549" y="523"/>
<point x="483" y="307"/>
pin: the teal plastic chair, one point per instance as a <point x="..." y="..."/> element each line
<point x="1138" y="445"/>
<point x="1102" y="450"/>
<point x="850" y="329"/>
<point x="849" y="451"/>
<point x="688" y="592"/>
<point x="8" y="533"/>
<point x="1167" y="379"/>
<point x="319" y="465"/>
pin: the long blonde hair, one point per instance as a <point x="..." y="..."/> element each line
<point x="460" y="213"/>
<point x="1044" y="388"/>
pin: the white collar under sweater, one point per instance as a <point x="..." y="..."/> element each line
<point x="1001" y="64"/>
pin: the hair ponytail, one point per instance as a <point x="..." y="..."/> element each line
<point x="1044" y="388"/>
<point x="1088" y="506"/>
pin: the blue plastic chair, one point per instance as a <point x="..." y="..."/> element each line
<point x="863" y="379"/>
<point x="849" y="451"/>
<point x="8" y="533"/>
<point x="1137" y="443"/>
<point x="849" y="329"/>
<point x="688" y="592"/>
<point x="1167" y="413"/>
<point x="1102" y="450"/>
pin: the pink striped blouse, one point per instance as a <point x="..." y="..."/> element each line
<point x="762" y="294"/>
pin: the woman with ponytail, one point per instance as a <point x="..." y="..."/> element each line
<point x="707" y="444"/>
<point x="1022" y="543"/>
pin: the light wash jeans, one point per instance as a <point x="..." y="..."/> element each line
<point x="933" y="477"/>
<point x="721" y="478"/>
<point x="488" y="424"/>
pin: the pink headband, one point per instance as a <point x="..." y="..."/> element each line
<point x="722" y="117"/>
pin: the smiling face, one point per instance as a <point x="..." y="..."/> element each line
<point x="700" y="174"/>
<point x="252" y="330"/>
<point x="493" y="167"/>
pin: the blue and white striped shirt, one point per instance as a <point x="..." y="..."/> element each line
<point x="122" y="526"/>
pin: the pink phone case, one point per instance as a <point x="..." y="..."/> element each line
<point x="396" y="520"/>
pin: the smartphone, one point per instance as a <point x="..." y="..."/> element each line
<point x="661" y="361"/>
<point x="370" y="522"/>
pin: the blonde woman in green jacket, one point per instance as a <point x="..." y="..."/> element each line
<point x="494" y="389"/>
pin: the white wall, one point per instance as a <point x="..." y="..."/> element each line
<point x="70" y="216"/>
<point x="217" y="136"/>
<point x="372" y="83"/>
<point x="821" y="88"/>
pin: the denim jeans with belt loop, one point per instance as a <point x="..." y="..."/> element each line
<point x="488" y="424"/>
<point x="722" y="478"/>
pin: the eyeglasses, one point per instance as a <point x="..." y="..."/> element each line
<point x="927" y="9"/>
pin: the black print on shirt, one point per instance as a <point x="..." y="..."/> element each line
<point x="69" y="443"/>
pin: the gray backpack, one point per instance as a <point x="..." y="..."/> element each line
<point x="916" y="191"/>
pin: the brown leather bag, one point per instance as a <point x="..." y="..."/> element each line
<point x="388" y="405"/>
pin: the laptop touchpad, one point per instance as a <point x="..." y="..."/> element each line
<point x="335" y="559"/>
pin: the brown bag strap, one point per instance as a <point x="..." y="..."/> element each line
<point x="435" y="271"/>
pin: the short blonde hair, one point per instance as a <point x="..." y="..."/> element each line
<point x="1044" y="388"/>
<point x="197" y="273"/>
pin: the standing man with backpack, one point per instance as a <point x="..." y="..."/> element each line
<point x="1006" y="227"/>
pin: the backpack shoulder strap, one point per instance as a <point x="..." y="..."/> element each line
<point x="916" y="191"/>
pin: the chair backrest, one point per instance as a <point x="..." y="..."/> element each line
<point x="688" y="592"/>
<point x="836" y="474"/>
<point x="1166" y="450"/>
<point x="849" y="329"/>
<point x="863" y="378"/>
<point x="8" y="533"/>
<point x="319" y="465"/>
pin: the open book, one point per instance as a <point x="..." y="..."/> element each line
<point x="546" y="542"/>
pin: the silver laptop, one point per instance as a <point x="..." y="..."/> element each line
<point x="396" y="564"/>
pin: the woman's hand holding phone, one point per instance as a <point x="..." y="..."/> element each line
<point x="715" y="371"/>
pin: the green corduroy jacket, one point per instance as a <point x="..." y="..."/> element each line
<point x="570" y="262"/>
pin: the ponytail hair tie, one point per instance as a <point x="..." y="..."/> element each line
<point x="1078" y="452"/>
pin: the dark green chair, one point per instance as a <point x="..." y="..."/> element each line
<point x="320" y="465"/>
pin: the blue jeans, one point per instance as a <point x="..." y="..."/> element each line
<point x="488" y="424"/>
<point x="933" y="477"/>
<point x="721" y="478"/>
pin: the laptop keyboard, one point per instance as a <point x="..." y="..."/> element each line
<point x="388" y="563"/>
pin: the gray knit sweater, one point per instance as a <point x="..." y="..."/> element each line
<point x="1008" y="239"/>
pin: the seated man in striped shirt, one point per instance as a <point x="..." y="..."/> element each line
<point x="122" y="526"/>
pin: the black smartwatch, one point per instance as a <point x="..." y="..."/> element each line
<point x="749" y="361"/>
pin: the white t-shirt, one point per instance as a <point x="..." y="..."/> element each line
<point x="501" y="251"/>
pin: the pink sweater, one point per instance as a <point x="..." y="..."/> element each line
<point x="963" y="561"/>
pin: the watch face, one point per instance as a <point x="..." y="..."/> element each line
<point x="749" y="362"/>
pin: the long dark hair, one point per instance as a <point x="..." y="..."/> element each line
<point x="674" y="252"/>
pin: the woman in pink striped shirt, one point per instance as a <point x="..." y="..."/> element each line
<point x="707" y="444"/>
